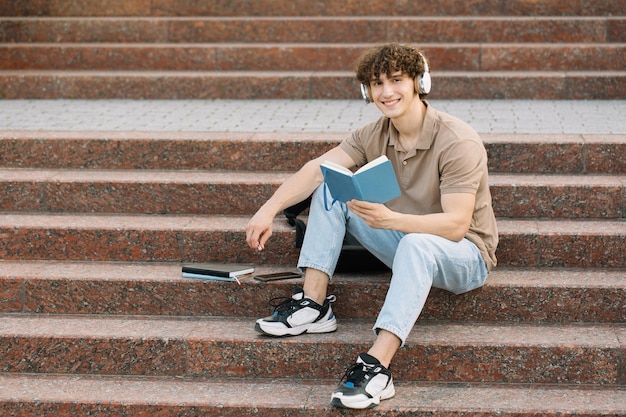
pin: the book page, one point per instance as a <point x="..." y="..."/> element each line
<point x="337" y="167"/>
<point x="373" y="163"/>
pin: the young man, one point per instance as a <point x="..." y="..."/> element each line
<point x="441" y="232"/>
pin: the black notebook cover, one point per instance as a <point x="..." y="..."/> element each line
<point x="218" y="269"/>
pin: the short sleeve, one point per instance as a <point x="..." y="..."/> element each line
<point x="463" y="165"/>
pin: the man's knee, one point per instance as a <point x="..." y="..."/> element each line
<point x="417" y="243"/>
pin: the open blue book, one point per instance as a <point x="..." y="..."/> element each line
<point x="374" y="182"/>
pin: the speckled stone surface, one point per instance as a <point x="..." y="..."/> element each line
<point x="184" y="192"/>
<point x="164" y="150"/>
<point x="517" y="295"/>
<point x="558" y="196"/>
<point x="304" y="7"/>
<point x="317" y="57"/>
<point x="561" y="243"/>
<point x="315" y="29"/>
<point x="181" y="397"/>
<point x="173" y="85"/>
<point x="137" y="238"/>
<point x="526" y="243"/>
<point x="467" y="352"/>
<point x="285" y="151"/>
<point x="603" y="154"/>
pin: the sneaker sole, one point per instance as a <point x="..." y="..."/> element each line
<point x="345" y="402"/>
<point x="279" y="329"/>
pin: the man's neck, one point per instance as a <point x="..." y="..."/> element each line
<point x="410" y="125"/>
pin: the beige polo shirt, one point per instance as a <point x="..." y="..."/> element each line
<point x="448" y="158"/>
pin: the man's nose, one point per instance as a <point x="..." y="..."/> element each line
<point x="387" y="88"/>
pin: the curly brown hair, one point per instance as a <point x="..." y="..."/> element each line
<point x="387" y="59"/>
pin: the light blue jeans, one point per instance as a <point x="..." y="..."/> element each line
<point x="418" y="261"/>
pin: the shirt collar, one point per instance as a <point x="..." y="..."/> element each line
<point x="426" y="135"/>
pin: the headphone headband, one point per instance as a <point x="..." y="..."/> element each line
<point x="426" y="69"/>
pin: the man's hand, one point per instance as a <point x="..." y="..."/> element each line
<point x="259" y="229"/>
<point x="376" y="215"/>
<point x="453" y="223"/>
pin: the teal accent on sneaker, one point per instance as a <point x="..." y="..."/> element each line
<point x="367" y="383"/>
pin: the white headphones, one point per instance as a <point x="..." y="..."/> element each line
<point x="422" y="82"/>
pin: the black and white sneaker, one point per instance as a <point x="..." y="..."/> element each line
<point x="367" y="382"/>
<point x="297" y="315"/>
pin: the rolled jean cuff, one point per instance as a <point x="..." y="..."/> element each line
<point x="391" y="329"/>
<point x="302" y="266"/>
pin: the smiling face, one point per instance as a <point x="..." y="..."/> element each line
<point x="394" y="95"/>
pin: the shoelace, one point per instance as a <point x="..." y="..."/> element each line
<point x="282" y="304"/>
<point x="356" y="373"/>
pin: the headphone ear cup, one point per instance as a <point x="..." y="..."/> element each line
<point x="423" y="83"/>
<point x="365" y="93"/>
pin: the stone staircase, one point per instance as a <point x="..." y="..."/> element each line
<point x="299" y="49"/>
<point x="95" y="318"/>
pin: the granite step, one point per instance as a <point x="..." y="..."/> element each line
<point x="172" y="85"/>
<point x="310" y="29"/>
<point x="304" y="57"/>
<point x="529" y="295"/>
<point x="307" y="8"/>
<point x="195" y="238"/>
<point x="230" y="347"/>
<point x="69" y="396"/>
<point x="243" y="192"/>
<point x="508" y="153"/>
